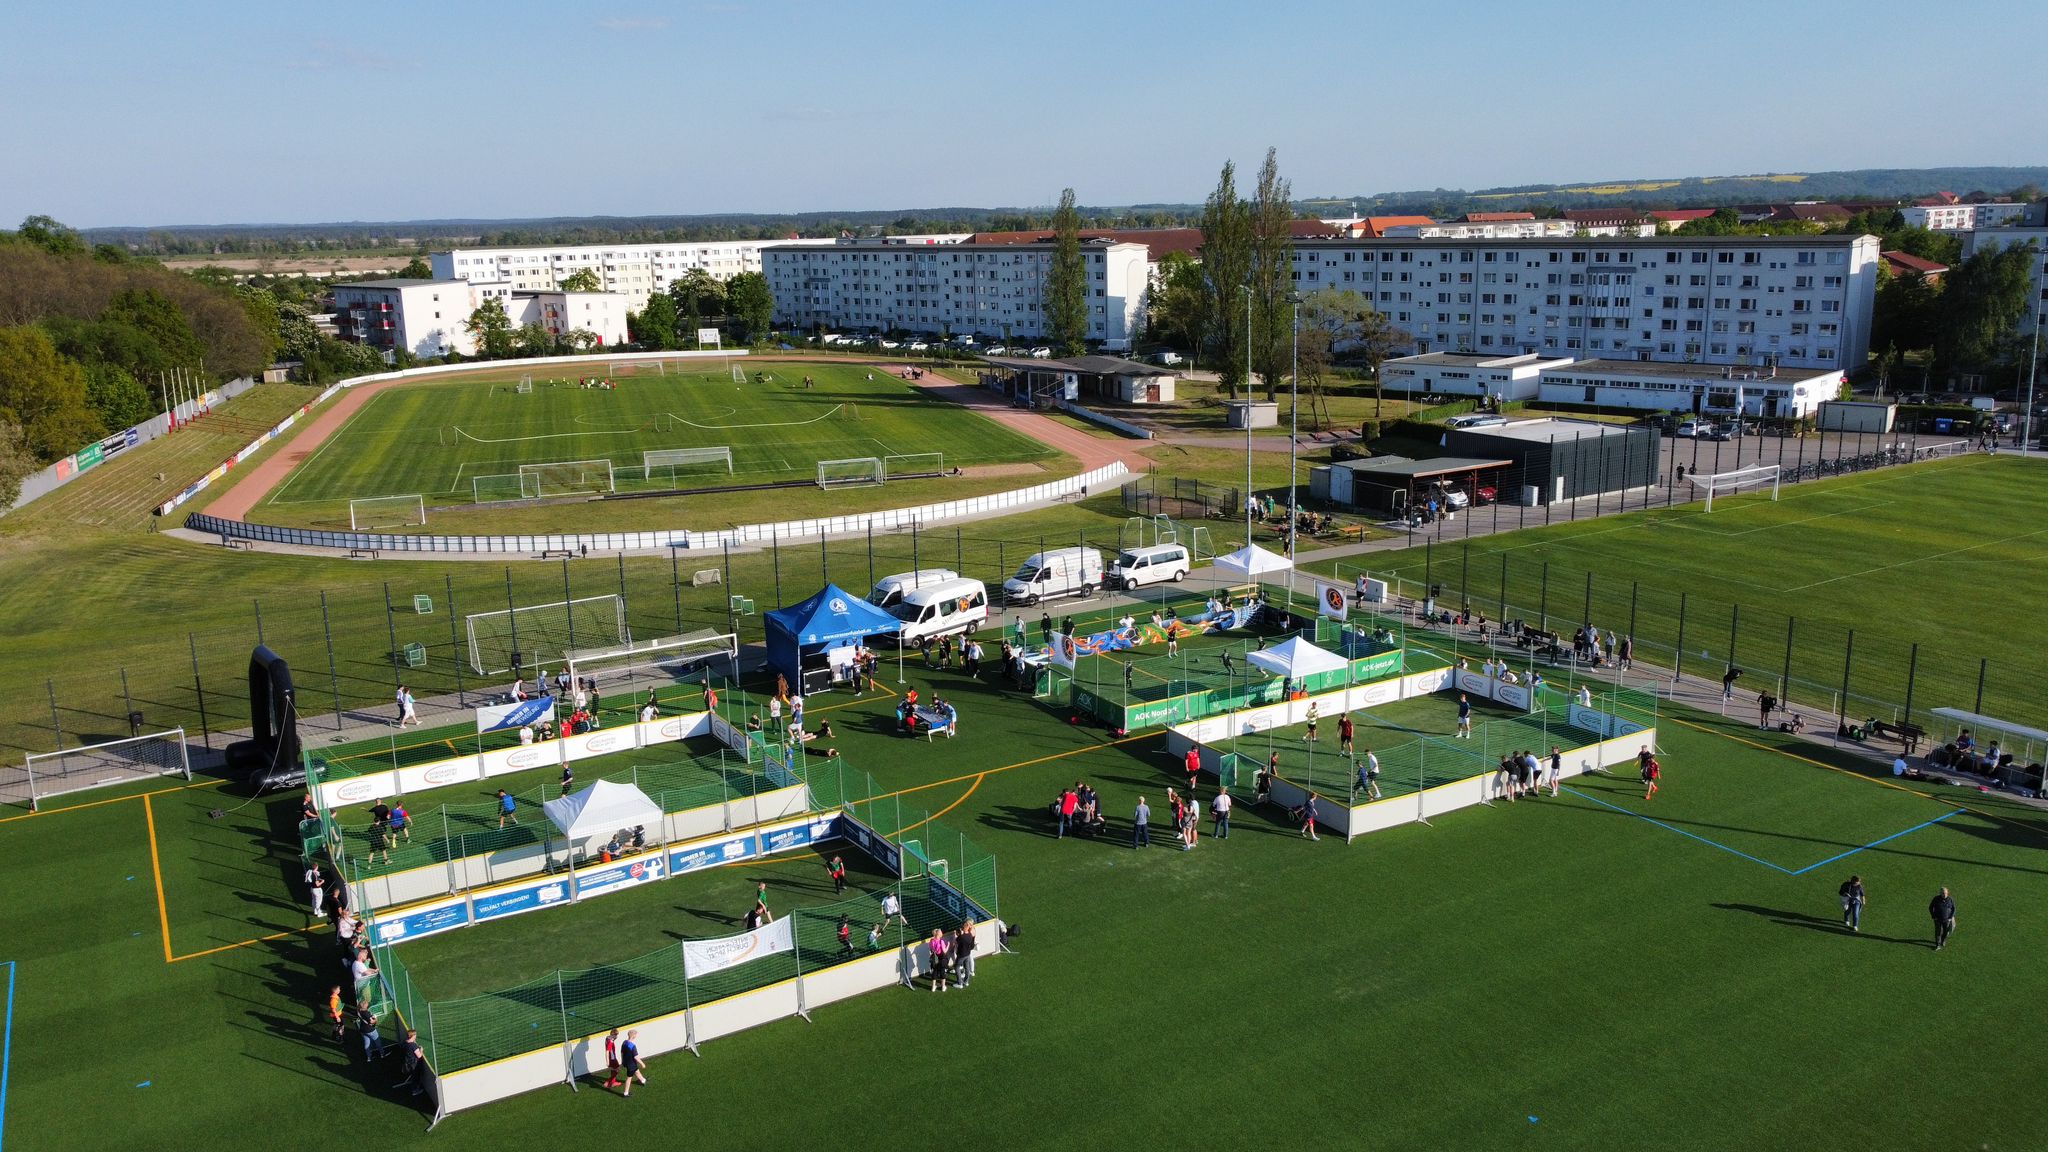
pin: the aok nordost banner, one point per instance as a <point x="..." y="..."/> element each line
<point x="497" y="717"/>
<point x="703" y="957"/>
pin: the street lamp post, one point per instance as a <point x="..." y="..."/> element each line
<point x="1247" y="408"/>
<point x="1294" y="428"/>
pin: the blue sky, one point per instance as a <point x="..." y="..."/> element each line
<point x="370" y="110"/>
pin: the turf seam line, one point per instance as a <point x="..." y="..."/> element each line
<point x="1684" y="833"/>
<point x="7" y="1052"/>
<point x="1880" y="840"/>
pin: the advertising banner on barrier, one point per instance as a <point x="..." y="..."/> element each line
<point x="775" y="840"/>
<point x="1514" y="696"/>
<point x="703" y="957"/>
<point x="414" y="923"/>
<point x="1332" y="601"/>
<point x="697" y="857"/>
<point x="954" y="903"/>
<point x="1605" y="723"/>
<point x="522" y="898"/>
<point x="590" y="881"/>
<point x="1371" y="591"/>
<point x="873" y="843"/>
<point x="518" y="714"/>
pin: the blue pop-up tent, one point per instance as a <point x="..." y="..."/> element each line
<point x="830" y="619"/>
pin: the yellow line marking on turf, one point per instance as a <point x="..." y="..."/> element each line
<point x="941" y="812"/>
<point x="976" y="776"/>
<point x="1854" y="775"/>
<point x="247" y="943"/>
<point x="110" y="800"/>
<point x="163" y="914"/>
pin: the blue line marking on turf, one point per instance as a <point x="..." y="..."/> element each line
<point x="1682" y="832"/>
<point x="6" y="1053"/>
<point x="1880" y="840"/>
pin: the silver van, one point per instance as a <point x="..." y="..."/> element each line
<point x="1158" y="564"/>
<point x="889" y="589"/>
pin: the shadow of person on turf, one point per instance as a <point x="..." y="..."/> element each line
<point x="1830" y="924"/>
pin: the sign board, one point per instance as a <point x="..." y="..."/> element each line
<point x="708" y="336"/>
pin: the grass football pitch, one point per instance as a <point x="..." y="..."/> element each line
<point x="437" y="440"/>
<point x="1594" y="971"/>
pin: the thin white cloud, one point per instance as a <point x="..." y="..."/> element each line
<point x="633" y="23"/>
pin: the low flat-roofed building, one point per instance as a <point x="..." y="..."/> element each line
<point x="1700" y="389"/>
<point x="1478" y="374"/>
<point x="1562" y="459"/>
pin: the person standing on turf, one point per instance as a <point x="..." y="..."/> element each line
<point x="611" y="1059"/>
<point x="710" y="695"/>
<point x="963" y="954"/>
<point x="630" y="1062"/>
<point x="845" y="935"/>
<point x="1308" y="817"/>
<point x="1369" y="776"/>
<point x="568" y="777"/>
<point x="1070" y="802"/>
<point x="366" y="1025"/>
<point x="1852" y="903"/>
<point x="1219" y="811"/>
<point x="1141" y="825"/>
<point x="335" y="1014"/>
<point x="1193" y="765"/>
<point x="1045" y="628"/>
<point x="1943" y="909"/>
<point x="1345" y="730"/>
<point x="1765" y="705"/>
<point x="1628" y="653"/>
<point x="1556" y="769"/>
<point x="1309" y="737"/>
<point x="1652" y="772"/>
<point x="837" y="871"/>
<point x="1464" y="717"/>
<point x="508" y="808"/>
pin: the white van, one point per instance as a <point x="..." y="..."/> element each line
<point x="1136" y="567"/>
<point x="950" y="606"/>
<point x="1060" y="572"/>
<point x="890" y="589"/>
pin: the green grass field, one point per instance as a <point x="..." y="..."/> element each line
<point x="1935" y="555"/>
<point x="457" y="442"/>
<point x="1668" y="973"/>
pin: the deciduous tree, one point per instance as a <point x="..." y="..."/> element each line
<point x="582" y="280"/>
<point x="1272" y="274"/>
<point x="654" y="326"/>
<point x="751" y="303"/>
<point x="44" y="394"/>
<point x="1066" y="282"/>
<point x="1179" y="303"/>
<point x="1982" y="303"/>
<point x="16" y="462"/>
<point x="492" y="329"/>
<point x="1226" y="262"/>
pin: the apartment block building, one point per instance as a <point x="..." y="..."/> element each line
<point x="423" y="317"/>
<point x="995" y="291"/>
<point x="1803" y="302"/>
<point x="1963" y="217"/>
<point x="634" y="271"/>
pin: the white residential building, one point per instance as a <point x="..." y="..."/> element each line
<point x="1796" y="301"/>
<point x="423" y="317"/>
<point x="635" y="271"/>
<point x="995" y="291"/>
<point x="1962" y="217"/>
<point x="1693" y="388"/>
<point x="1984" y="240"/>
<point x="1510" y="377"/>
<point x="559" y="312"/>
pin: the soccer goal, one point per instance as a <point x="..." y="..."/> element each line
<point x="525" y="384"/>
<point x="96" y="765"/>
<point x="666" y="462"/>
<point x="536" y="635"/>
<point x="370" y="512"/>
<point x="657" y="664"/>
<point x="562" y="477"/>
<point x="852" y="473"/>
<point x="1749" y="479"/>
<point x="635" y="368"/>
<point x="510" y="486"/>
<point x="913" y="464"/>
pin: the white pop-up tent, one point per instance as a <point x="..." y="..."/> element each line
<point x="1296" y="659"/>
<point x="601" y="809"/>
<point x="1252" y="562"/>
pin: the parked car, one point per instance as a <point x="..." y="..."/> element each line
<point x="1166" y="359"/>
<point x="889" y="344"/>
<point x="917" y="346"/>
<point x="1687" y="430"/>
<point x="1041" y="353"/>
<point x="996" y="350"/>
<point x="1715" y="432"/>
<point x="1475" y="420"/>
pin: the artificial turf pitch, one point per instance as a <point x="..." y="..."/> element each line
<point x="1668" y="973"/>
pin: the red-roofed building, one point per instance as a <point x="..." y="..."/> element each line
<point x="1497" y="217"/>
<point x="1671" y="219"/>
<point x="1374" y="227"/>
<point x="1159" y="241"/>
<point x="1907" y="264"/>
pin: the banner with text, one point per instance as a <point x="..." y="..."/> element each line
<point x="703" y="957"/>
<point x="518" y="714"/>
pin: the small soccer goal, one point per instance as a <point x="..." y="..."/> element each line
<point x="656" y="663"/>
<point x="539" y="635"/>
<point x="913" y="464"/>
<point x="566" y="477"/>
<point x="525" y="384"/>
<point x="372" y="512"/>
<point x="854" y="473"/>
<point x="665" y="463"/>
<point x="509" y="486"/>
<point x="45" y="774"/>
<point x="635" y="368"/>
<point x="739" y="374"/>
<point x="1724" y="484"/>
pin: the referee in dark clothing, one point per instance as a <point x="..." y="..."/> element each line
<point x="1943" y="909"/>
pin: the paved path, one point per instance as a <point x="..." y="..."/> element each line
<point x="1092" y="451"/>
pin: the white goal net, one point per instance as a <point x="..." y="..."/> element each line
<point x="913" y="464"/>
<point x="627" y="673"/>
<point x="537" y="636"/>
<point x="510" y="486"/>
<point x="666" y="462"/>
<point x="739" y="374"/>
<point x="635" y="368"/>
<point x="45" y="774"/>
<point x="525" y="384"/>
<point x="563" y="477"/>
<point x="370" y="512"/>
<point x="852" y="473"/>
<point x="1725" y="484"/>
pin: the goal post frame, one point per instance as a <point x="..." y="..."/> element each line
<point x="1713" y="482"/>
<point x="673" y="458"/>
<point x="81" y="779"/>
<point x="542" y="470"/>
<point x="871" y="472"/>
<point x="415" y="503"/>
<point x="672" y="658"/>
<point x="495" y="635"/>
<point x="891" y="468"/>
